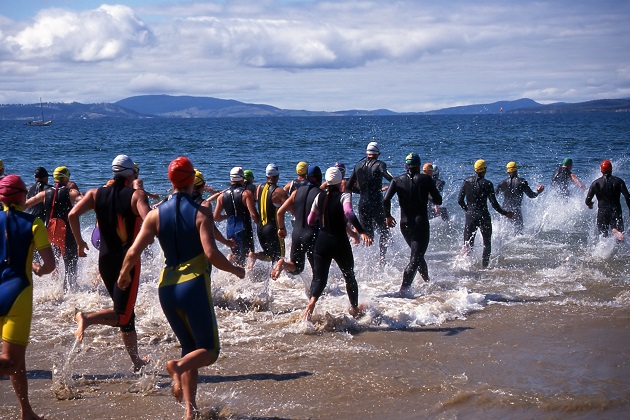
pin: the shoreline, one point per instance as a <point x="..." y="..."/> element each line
<point x="523" y="360"/>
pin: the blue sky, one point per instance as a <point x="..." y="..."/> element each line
<point x="404" y="55"/>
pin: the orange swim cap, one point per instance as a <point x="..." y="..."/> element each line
<point x="606" y="167"/>
<point x="181" y="172"/>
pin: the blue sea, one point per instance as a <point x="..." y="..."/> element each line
<point x="559" y="263"/>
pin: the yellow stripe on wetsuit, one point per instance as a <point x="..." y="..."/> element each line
<point x="263" y="205"/>
<point x="185" y="271"/>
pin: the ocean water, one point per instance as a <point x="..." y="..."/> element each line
<point x="559" y="260"/>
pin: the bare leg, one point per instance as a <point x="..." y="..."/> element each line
<point x="182" y="380"/>
<point x="130" y="339"/>
<point x="84" y="320"/>
<point x="16" y="369"/>
<point x="308" y="312"/>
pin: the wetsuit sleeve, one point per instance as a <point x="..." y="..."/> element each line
<point x="353" y="179"/>
<point x="591" y="193"/>
<point x="386" y="174"/>
<point x="501" y="187"/>
<point x="462" y="195"/>
<point x="528" y="191"/>
<point x="387" y="201"/>
<point x="493" y="199"/>
<point x="346" y="201"/>
<point x="624" y="191"/>
<point x="40" y="235"/>
<point x="433" y="191"/>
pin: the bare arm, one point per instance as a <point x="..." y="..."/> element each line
<point x="36" y="199"/>
<point x="286" y="206"/>
<point x="205" y="224"/>
<point x="48" y="258"/>
<point x="140" y="204"/>
<point x="74" y="219"/>
<point x="250" y="202"/>
<point x="218" y="211"/>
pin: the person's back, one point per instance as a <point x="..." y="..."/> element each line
<point x="476" y="190"/>
<point x="178" y="233"/>
<point x="304" y="198"/>
<point x="233" y="203"/>
<point x="413" y="196"/>
<point x="369" y="174"/>
<point x="38" y="210"/>
<point x="608" y="190"/>
<point x="118" y="224"/>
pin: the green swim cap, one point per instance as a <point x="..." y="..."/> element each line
<point x="248" y="175"/>
<point x="567" y="162"/>
<point x="412" y="160"/>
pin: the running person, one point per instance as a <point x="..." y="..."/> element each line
<point x="333" y="210"/>
<point x="22" y="233"/>
<point x="513" y="188"/>
<point x="303" y="235"/>
<point x="185" y="231"/>
<point x="473" y="198"/>
<point x="240" y="210"/>
<point x="58" y="201"/>
<point x="270" y="197"/>
<point x="119" y="211"/>
<point x="367" y="178"/>
<point x="41" y="184"/>
<point x="434" y="209"/>
<point x="413" y="190"/>
<point x="563" y="178"/>
<point x="608" y="189"/>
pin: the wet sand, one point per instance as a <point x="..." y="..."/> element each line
<point x="534" y="360"/>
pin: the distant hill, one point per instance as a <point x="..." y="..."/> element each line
<point x="493" y="108"/>
<point x="166" y="106"/>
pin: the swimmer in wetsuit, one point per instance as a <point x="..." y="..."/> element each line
<point x="563" y="178"/>
<point x="434" y="209"/>
<point x="608" y="189"/>
<point x="303" y="235"/>
<point x="185" y="231"/>
<point x="333" y="210"/>
<point x="21" y="234"/>
<point x="413" y="190"/>
<point x="513" y="188"/>
<point x="240" y="210"/>
<point x="270" y="197"/>
<point x="58" y="201"/>
<point x="41" y="184"/>
<point x="473" y="198"/>
<point x="119" y="211"/>
<point x="367" y="178"/>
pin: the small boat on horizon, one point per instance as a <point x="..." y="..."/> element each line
<point x="42" y="122"/>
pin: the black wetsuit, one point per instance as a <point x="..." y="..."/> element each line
<point x="413" y="192"/>
<point x="513" y="189"/>
<point x="272" y="245"/>
<point x="239" y="223"/>
<point x="368" y="174"/>
<point x="295" y="184"/>
<point x="304" y="235"/>
<point x="60" y="210"/>
<point x="39" y="209"/>
<point x="439" y="184"/>
<point x="251" y="187"/>
<point x="118" y="226"/>
<point x="608" y="189"/>
<point x="561" y="181"/>
<point x="473" y="198"/>
<point x="332" y="244"/>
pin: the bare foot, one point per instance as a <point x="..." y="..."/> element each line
<point x="251" y="260"/>
<point x="307" y="314"/>
<point x="176" y="387"/>
<point x="618" y="235"/>
<point x="32" y="416"/>
<point x="80" y="320"/>
<point x="140" y="363"/>
<point x="277" y="269"/>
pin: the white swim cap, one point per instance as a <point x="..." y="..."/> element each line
<point x="333" y="176"/>
<point x="372" y="148"/>
<point x="236" y="174"/>
<point x="272" y="170"/>
<point x="123" y="165"/>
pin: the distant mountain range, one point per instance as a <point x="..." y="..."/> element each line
<point x="166" y="106"/>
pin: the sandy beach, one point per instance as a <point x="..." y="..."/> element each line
<point x="535" y="360"/>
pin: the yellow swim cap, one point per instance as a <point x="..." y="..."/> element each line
<point x="427" y="168"/>
<point x="511" y="167"/>
<point x="61" y="173"/>
<point x="301" y="168"/>
<point x="199" y="179"/>
<point x="480" y="166"/>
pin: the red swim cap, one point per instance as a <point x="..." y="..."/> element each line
<point x="181" y="172"/>
<point x="12" y="190"/>
<point x="606" y="167"/>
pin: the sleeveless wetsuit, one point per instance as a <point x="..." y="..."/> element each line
<point x="61" y="208"/>
<point x="608" y="189"/>
<point x="332" y="242"/>
<point x="297" y="183"/>
<point x="118" y="227"/>
<point x="184" y="288"/>
<point x="368" y="174"/>
<point x="513" y="189"/>
<point x="238" y="215"/>
<point x="473" y="198"/>
<point x="271" y="243"/>
<point x="413" y="194"/>
<point x="20" y="234"/>
<point x="304" y="235"/>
